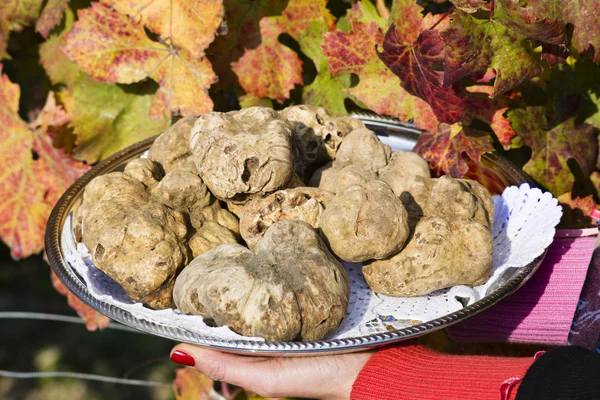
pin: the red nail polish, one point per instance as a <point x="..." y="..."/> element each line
<point x="182" y="358"/>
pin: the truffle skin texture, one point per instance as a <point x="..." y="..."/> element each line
<point x="365" y="222"/>
<point x="106" y="187"/>
<point x="141" y="246"/>
<point x="289" y="288"/>
<point x="183" y="191"/>
<point x="317" y="135"/>
<point x="210" y="235"/>
<point x="364" y="148"/>
<point x="299" y="204"/>
<point x="401" y="165"/>
<point x="448" y="197"/>
<point x="443" y="252"/>
<point x="217" y="214"/>
<point x="172" y="148"/>
<point x="144" y="170"/>
<point x="242" y="153"/>
<point x="334" y="179"/>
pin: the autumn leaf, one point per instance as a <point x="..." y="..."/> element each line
<point x="491" y="111"/>
<point x="112" y="48"/>
<point x="59" y="68"/>
<point x="469" y="6"/>
<point x="508" y="51"/>
<point x="14" y="16"/>
<point x="33" y="174"/>
<point x="417" y="64"/>
<point x="249" y="100"/>
<point x="93" y="320"/>
<point x="354" y="52"/>
<point x="51" y="16"/>
<point x="576" y="211"/>
<point x="447" y="149"/>
<point x="552" y="147"/>
<point x="243" y="33"/>
<point x="190" y="384"/>
<point x="108" y="118"/>
<point x="584" y="15"/>
<point x="325" y="91"/>
<point x="188" y="24"/>
<point x="272" y="69"/>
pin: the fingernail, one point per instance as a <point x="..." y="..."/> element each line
<point x="182" y="358"/>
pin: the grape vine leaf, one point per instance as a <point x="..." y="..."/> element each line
<point x="576" y="211"/>
<point x="583" y="15"/>
<point x="92" y="319"/>
<point x="354" y="52"/>
<point x="189" y="24"/>
<point x="14" y="16"/>
<point x="552" y="147"/>
<point x="51" y="16"/>
<point x="510" y="53"/>
<point x="190" y="384"/>
<point x="107" y="118"/>
<point x="59" y="68"/>
<point x="325" y="91"/>
<point x="492" y="111"/>
<point x="595" y="178"/>
<point x="243" y="32"/>
<point x="448" y="148"/>
<point x="418" y="67"/>
<point x="33" y="174"/>
<point x="272" y="69"/>
<point x="112" y="48"/>
<point x="469" y="6"/>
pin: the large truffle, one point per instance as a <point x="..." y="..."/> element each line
<point x="317" y="135"/>
<point x="144" y="170"/>
<point x="242" y="153"/>
<point x="363" y="147"/>
<point x="402" y="165"/>
<point x="183" y="191"/>
<point x="141" y="246"/>
<point x="299" y="204"/>
<point x="334" y="179"/>
<point x="443" y="252"/>
<point x="172" y="148"/>
<point x="365" y="222"/>
<point x="290" y="288"/>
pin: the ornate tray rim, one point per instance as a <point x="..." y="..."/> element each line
<point x="323" y="347"/>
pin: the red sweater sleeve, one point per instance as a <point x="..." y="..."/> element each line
<point x="416" y="372"/>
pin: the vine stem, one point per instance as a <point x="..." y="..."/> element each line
<point x="59" y="318"/>
<point x="492" y="8"/>
<point x="444" y="16"/>
<point x="78" y="375"/>
<point x="383" y="11"/>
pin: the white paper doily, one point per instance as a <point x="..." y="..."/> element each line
<point x="524" y="226"/>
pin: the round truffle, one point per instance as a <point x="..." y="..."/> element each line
<point x="403" y="164"/>
<point x="443" y="252"/>
<point x="299" y="204"/>
<point x="242" y="153"/>
<point x="334" y="179"/>
<point x="172" y="148"/>
<point x="289" y="288"/>
<point x="364" y="148"/>
<point x="365" y="222"/>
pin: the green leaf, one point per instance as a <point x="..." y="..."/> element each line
<point x="552" y="147"/>
<point x="108" y="118"/>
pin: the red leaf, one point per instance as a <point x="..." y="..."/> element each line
<point x="576" y="212"/>
<point x="92" y="319"/>
<point x="491" y="111"/>
<point x="34" y="173"/>
<point x="418" y="66"/>
<point x="447" y="148"/>
<point x="192" y="385"/>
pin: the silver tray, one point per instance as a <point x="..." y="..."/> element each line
<point x="402" y="137"/>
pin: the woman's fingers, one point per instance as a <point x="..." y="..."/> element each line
<point x="327" y="377"/>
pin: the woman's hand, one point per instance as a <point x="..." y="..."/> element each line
<point x="325" y="377"/>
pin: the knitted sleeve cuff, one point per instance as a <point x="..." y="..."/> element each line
<point x="415" y="372"/>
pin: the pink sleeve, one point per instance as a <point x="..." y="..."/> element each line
<point x="543" y="309"/>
